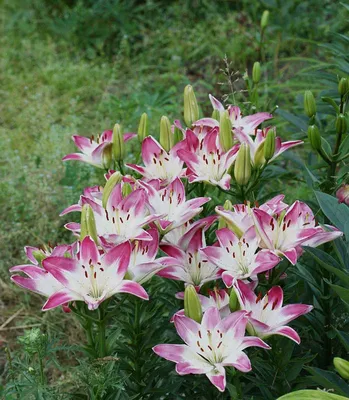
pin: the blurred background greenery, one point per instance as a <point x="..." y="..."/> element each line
<point x="78" y="66"/>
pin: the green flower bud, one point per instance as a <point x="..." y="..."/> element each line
<point x="118" y="143"/>
<point x="233" y="301"/>
<point x="256" y="72"/>
<point x="259" y="158"/>
<point x="88" y="224"/>
<point x="109" y="186"/>
<point x="191" y="108"/>
<point x="342" y="367"/>
<point x="264" y="19"/>
<point x="192" y="305"/>
<point x="107" y="156"/>
<point x="143" y="127"/>
<point x="309" y="104"/>
<point x="166" y="136"/>
<point x="216" y="115"/>
<point x="242" y="167"/>
<point x="225" y="133"/>
<point x="343" y="86"/>
<point x="221" y="221"/>
<point x="126" y="189"/>
<point x="269" y="145"/>
<point x="39" y="256"/>
<point x="341" y="124"/>
<point x="314" y="137"/>
<point x="177" y="135"/>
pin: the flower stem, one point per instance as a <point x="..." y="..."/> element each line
<point x="101" y="334"/>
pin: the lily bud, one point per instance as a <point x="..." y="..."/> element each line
<point x="39" y="256"/>
<point x="269" y="145"/>
<point x="192" y="305"/>
<point x="88" y="224"/>
<point x="143" y="128"/>
<point x="341" y="124"/>
<point x="191" y="108"/>
<point x="242" y="167"/>
<point x="216" y="115"/>
<point x="225" y="133"/>
<point x="314" y="137"/>
<point x="126" y="189"/>
<point x="107" y="156"/>
<point x="233" y="301"/>
<point x="343" y="86"/>
<point x="109" y="186"/>
<point x="118" y="143"/>
<point x="342" y="367"/>
<point x="166" y="136"/>
<point x="221" y="222"/>
<point x="265" y="19"/>
<point x="309" y="104"/>
<point x="259" y="158"/>
<point x="256" y="72"/>
<point x="177" y="135"/>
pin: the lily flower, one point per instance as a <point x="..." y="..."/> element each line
<point x="123" y="218"/>
<point x="142" y="263"/>
<point x="205" y="159"/>
<point x="90" y="276"/>
<point x="342" y="194"/>
<point x="95" y="152"/>
<point x="239" y="258"/>
<point x="267" y="315"/>
<point x="286" y="234"/>
<point x="211" y="345"/>
<point x="159" y="164"/>
<point x="187" y="263"/>
<point x="170" y="202"/>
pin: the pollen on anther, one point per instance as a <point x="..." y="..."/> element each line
<point x="86" y="274"/>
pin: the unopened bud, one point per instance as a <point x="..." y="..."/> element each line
<point x="342" y="367"/>
<point x="269" y="145"/>
<point x="242" y="167"/>
<point x="259" y="158"/>
<point x="341" y="124"/>
<point x="192" y="305"/>
<point x="221" y="221"/>
<point x="309" y="104"/>
<point x="126" y="189"/>
<point x="264" y="19"/>
<point x="107" y="156"/>
<point x="114" y="179"/>
<point x="177" y="135"/>
<point x="233" y="301"/>
<point x="225" y="133"/>
<point x="216" y="115"/>
<point x="191" y="108"/>
<point x="256" y="72"/>
<point x="118" y="143"/>
<point x="143" y="128"/>
<point x="88" y="224"/>
<point x="343" y="86"/>
<point x="39" y="256"/>
<point x="166" y="136"/>
<point x="314" y="137"/>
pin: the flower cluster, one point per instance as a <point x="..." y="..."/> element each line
<point x="159" y="221"/>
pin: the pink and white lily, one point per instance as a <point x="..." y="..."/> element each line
<point x="95" y="152"/>
<point x="159" y="164"/>
<point x="286" y="234"/>
<point x="142" y="263"/>
<point x="267" y="315"/>
<point x="170" y="202"/>
<point x="205" y="159"/>
<point x="211" y="346"/>
<point x="90" y="276"/>
<point x="187" y="263"/>
<point x="239" y="258"/>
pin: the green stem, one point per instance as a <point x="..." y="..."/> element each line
<point x="101" y="334"/>
<point x="41" y="368"/>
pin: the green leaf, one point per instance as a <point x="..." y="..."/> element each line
<point x="296" y="121"/>
<point x="330" y="101"/>
<point x="344" y="338"/>
<point x="328" y="262"/>
<point x="329" y="380"/>
<point x="337" y="213"/>
<point x="342" y="292"/>
<point x="311" y="395"/>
